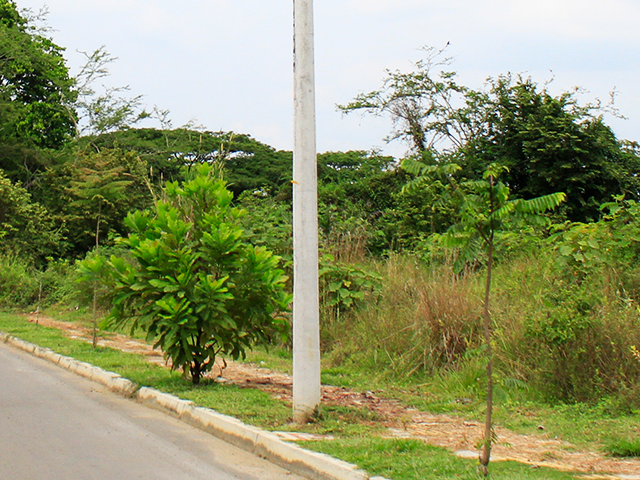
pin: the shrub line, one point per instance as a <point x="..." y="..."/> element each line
<point x="311" y="465"/>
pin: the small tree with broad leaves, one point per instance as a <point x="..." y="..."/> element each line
<point x="191" y="280"/>
<point x="484" y="208"/>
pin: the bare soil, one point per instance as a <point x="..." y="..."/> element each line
<point x="442" y="430"/>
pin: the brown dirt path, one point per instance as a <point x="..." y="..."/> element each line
<point x="446" y="431"/>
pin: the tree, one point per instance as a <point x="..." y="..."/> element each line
<point x="97" y="189"/>
<point x="107" y="111"/>
<point x="26" y="228"/>
<point x="548" y="142"/>
<point x="248" y="163"/>
<point x="485" y="208"/>
<point x="191" y="281"/>
<point x="69" y="190"/>
<point x="36" y="96"/>
<point x="424" y="107"/>
<point x="551" y="143"/>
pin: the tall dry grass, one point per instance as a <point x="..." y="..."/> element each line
<point x="423" y="319"/>
<point x="568" y="339"/>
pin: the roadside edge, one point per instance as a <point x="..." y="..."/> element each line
<point x="309" y="464"/>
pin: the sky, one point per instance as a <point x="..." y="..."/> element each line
<point x="227" y="64"/>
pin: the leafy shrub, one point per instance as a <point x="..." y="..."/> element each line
<point x="192" y="282"/>
<point x="59" y="282"/>
<point x="26" y="227"/>
<point x="343" y="289"/>
<point x="18" y="284"/>
<point x="569" y="335"/>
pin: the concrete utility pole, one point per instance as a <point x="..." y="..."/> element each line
<point x="306" y="329"/>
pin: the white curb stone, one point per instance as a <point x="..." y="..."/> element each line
<point x="229" y="429"/>
<point x="53" y="357"/>
<point x="304" y="462"/>
<point x="65" y="362"/>
<point x="83" y="369"/>
<point x="123" y="386"/>
<point x="170" y="404"/>
<point x="41" y="352"/>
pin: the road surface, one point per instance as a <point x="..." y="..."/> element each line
<point x="55" y="425"/>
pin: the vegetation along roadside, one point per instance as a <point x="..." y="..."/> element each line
<point x="492" y="273"/>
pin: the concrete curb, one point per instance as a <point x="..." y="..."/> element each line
<point x="311" y="465"/>
<point x="111" y="380"/>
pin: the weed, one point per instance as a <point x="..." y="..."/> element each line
<point x="624" y="447"/>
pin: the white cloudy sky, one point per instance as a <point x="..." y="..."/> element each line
<point x="227" y="63"/>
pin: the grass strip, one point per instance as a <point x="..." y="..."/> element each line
<point x="355" y="430"/>
<point x="413" y="459"/>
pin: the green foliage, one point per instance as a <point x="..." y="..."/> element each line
<point x="23" y="286"/>
<point x="18" y="285"/>
<point x="583" y="322"/>
<point x="267" y="223"/>
<point x="343" y="286"/>
<point x="35" y="96"/>
<point x="98" y="188"/>
<point x="549" y="143"/>
<point x="421" y="320"/>
<point x="91" y="195"/>
<point x="356" y="192"/>
<point x="248" y="164"/>
<point x="26" y="227"/>
<point x="483" y="207"/>
<point x="624" y="448"/>
<point x="343" y="290"/>
<point x="194" y="285"/>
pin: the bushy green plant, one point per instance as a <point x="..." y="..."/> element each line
<point x="624" y="448"/>
<point x="193" y="283"/>
<point x="581" y="330"/>
<point x="343" y="288"/>
<point x="18" y="283"/>
<point x="267" y="222"/>
<point x="27" y="229"/>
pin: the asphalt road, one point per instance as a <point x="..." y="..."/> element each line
<point x="55" y="425"/>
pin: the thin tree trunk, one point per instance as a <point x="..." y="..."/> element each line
<point x="485" y="456"/>
<point x="95" y="286"/>
<point x="486" y="444"/>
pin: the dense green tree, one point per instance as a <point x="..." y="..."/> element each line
<point x="548" y="143"/>
<point x="26" y="227"/>
<point x="90" y="195"/>
<point x="36" y="96"/>
<point x="248" y="163"/>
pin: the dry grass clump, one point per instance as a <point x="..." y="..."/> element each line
<point x="424" y="319"/>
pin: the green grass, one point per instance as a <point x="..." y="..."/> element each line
<point x="412" y="459"/>
<point x="624" y="448"/>
<point x="356" y="430"/>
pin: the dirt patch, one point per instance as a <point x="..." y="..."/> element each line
<point x="446" y="431"/>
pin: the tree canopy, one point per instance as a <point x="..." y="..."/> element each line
<point x="36" y="95"/>
<point x="549" y="143"/>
